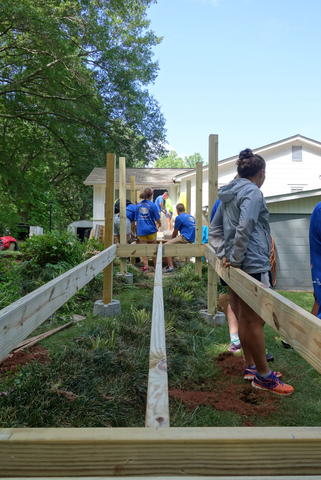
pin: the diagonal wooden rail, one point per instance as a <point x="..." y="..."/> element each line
<point x="157" y="410"/>
<point x="20" y="318"/>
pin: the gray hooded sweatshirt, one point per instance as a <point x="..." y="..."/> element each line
<point x="240" y="229"/>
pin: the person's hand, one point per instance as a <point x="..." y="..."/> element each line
<point x="226" y="263"/>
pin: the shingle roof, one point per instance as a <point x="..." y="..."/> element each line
<point x="149" y="177"/>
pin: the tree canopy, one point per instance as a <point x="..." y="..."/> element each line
<point x="173" y="160"/>
<point x="73" y="85"/>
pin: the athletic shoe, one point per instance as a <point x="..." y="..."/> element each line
<point x="234" y="347"/>
<point x="272" y="384"/>
<point x="250" y="373"/>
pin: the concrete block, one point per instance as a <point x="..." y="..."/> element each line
<point x="107" y="310"/>
<point x="216" y="319"/>
<point x="128" y="277"/>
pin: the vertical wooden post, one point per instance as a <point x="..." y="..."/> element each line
<point x="188" y="196"/>
<point x="199" y="181"/>
<point x="122" y="200"/>
<point x="109" y="224"/>
<point x="133" y="189"/>
<point x="212" y="196"/>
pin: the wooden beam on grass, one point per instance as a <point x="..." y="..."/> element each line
<point x="157" y="410"/>
<point x="199" y="185"/>
<point x="122" y="200"/>
<point x="297" y="326"/>
<point x="212" y="173"/>
<point x="150" y="250"/>
<point x="149" y="452"/>
<point x="109" y="224"/>
<point x="22" y="317"/>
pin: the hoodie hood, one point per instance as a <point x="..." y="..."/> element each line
<point x="229" y="191"/>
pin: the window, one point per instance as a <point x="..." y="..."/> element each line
<point x="296" y="153"/>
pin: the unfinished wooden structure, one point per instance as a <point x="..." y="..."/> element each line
<point x="160" y="451"/>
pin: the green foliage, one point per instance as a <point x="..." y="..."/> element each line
<point x="73" y="85"/>
<point x="172" y="160"/>
<point x="53" y="248"/>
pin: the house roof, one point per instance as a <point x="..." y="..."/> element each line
<point x="293" y="195"/>
<point x="151" y="177"/>
<point x="259" y="150"/>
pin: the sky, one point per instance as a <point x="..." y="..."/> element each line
<point x="248" y="70"/>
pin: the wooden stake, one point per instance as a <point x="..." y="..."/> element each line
<point x="133" y="189"/>
<point x="212" y="196"/>
<point x="188" y="196"/>
<point x="199" y="180"/>
<point x="109" y="224"/>
<point x="122" y="199"/>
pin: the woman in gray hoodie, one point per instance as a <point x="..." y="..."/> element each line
<point x="240" y="236"/>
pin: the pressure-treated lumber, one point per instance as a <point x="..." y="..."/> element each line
<point x="109" y="224"/>
<point x="157" y="410"/>
<point x="212" y="196"/>
<point x="188" y="196"/>
<point x="133" y="189"/>
<point x="20" y="318"/>
<point x="199" y="182"/>
<point x="238" y="451"/>
<point x="122" y="199"/>
<point x="286" y="477"/>
<point x="298" y="327"/>
<point x="150" y="250"/>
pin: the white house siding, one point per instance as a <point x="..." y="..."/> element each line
<point x="299" y="206"/>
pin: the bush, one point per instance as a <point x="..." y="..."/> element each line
<point x="53" y="248"/>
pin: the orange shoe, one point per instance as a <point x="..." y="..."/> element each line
<point x="272" y="384"/>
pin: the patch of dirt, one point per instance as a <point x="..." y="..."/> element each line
<point x="242" y="399"/>
<point x="21" y="358"/>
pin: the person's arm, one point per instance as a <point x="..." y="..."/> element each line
<point x="249" y="213"/>
<point x="175" y="233"/>
<point x="216" y="233"/>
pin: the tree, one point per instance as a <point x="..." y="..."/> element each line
<point x="73" y="85"/>
<point x="192" y="160"/>
<point x="171" y="160"/>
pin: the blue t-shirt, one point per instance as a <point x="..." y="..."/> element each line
<point x="159" y="202"/>
<point x="214" y="209"/>
<point x="130" y="212"/>
<point x="146" y="215"/>
<point x="185" y="224"/>
<point x="315" y="253"/>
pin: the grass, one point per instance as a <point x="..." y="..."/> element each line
<point x="97" y="370"/>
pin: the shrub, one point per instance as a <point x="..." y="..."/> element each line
<point x="53" y="248"/>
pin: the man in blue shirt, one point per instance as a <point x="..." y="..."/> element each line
<point x="184" y="232"/>
<point x="315" y="256"/>
<point x="160" y="201"/>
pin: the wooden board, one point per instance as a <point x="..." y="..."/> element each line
<point x="199" y="185"/>
<point x="300" y="328"/>
<point x="174" y="250"/>
<point x="239" y="451"/>
<point x="157" y="409"/>
<point x="122" y="198"/>
<point x="188" y="196"/>
<point x="212" y="196"/>
<point x="22" y="317"/>
<point x="109" y="224"/>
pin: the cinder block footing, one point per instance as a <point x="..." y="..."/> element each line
<point x="107" y="310"/>
<point x="214" y="320"/>
<point x="128" y="277"/>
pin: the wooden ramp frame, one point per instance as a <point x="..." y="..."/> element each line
<point x="159" y="451"/>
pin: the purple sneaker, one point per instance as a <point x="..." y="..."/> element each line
<point x="235" y="347"/>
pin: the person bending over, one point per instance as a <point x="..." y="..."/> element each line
<point x="184" y="232"/>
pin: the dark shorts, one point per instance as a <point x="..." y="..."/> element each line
<point x="262" y="277"/>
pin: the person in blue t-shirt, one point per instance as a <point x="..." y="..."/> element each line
<point x="147" y="221"/>
<point x="315" y="256"/>
<point x="130" y="218"/>
<point x="214" y="209"/>
<point x="184" y="231"/>
<point x="160" y="202"/>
